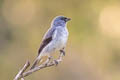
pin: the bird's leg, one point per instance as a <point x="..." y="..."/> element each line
<point x="48" y="60"/>
<point x="62" y="51"/>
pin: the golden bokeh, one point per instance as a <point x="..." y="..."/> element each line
<point x="93" y="48"/>
<point x="110" y="21"/>
<point x="19" y="12"/>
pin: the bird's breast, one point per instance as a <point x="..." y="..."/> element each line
<point x="61" y="38"/>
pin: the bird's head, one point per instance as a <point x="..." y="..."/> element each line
<point x="60" y="21"/>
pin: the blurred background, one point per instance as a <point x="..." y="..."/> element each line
<point x="93" y="49"/>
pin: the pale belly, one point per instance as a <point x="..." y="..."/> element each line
<point x="56" y="44"/>
<point x="60" y="42"/>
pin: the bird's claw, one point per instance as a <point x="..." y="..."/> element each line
<point x="56" y="62"/>
<point x="62" y="52"/>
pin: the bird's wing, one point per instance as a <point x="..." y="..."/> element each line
<point x="47" y="39"/>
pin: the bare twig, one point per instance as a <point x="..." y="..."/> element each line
<point x="21" y="74"/>
<point x="27" y="64"/>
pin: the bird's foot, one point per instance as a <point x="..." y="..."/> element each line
<point x="48" y="60"/>
<point x="62" y="52"/>
<point x="56" y="62"/>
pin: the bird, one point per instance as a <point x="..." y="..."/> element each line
<point x="55" y="39"/>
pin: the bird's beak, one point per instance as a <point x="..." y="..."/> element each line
<point x="68" y="19"/>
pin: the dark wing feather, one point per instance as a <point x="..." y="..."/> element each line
<point x="44" y="43"/>
<point x="46" y="40"/>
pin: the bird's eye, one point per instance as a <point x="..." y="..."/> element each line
<point x="63" y="18"/>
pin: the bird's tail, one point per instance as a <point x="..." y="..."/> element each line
<point x="37" y="60"/>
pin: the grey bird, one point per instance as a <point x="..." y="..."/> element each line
<point x="55" y="39"/>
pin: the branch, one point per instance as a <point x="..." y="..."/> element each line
<point x="27" y="64"/>
<point x="21" y="74"/>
